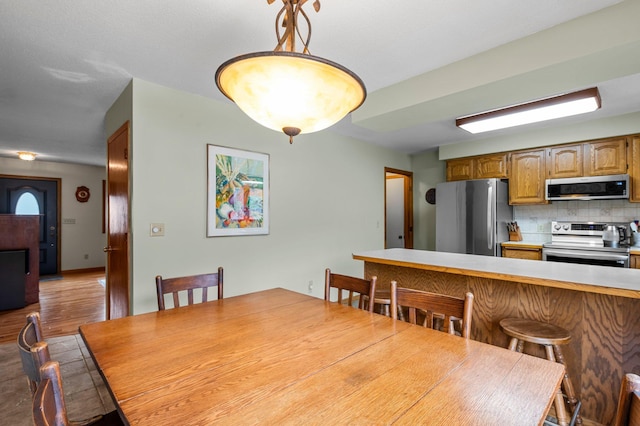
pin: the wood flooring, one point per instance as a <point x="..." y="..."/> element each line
<point x="78" y="298"/>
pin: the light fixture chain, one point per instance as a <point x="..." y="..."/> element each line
<point x="287" y="18"/>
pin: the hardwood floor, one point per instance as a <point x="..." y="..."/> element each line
<point x="64" y="305"/>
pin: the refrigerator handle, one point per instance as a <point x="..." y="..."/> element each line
<point x="489" y="218"/>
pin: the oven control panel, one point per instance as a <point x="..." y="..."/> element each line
<point x="578" y="228"/>
<point x="588" y="233"/>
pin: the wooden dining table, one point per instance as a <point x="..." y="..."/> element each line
<point x="281" y="357"/>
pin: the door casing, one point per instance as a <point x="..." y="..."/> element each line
<point x="118" y="262"/>
<point x="407" y="177"/>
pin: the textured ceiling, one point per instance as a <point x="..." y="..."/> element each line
<point x="64" y="62"/>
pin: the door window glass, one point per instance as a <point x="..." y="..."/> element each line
<point x="27" y="204"/>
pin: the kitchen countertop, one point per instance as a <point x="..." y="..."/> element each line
<point x="521" y="244"/>
<point x="590" y="278"/>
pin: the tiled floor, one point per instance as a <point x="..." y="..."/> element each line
<point x="85" y="392"/>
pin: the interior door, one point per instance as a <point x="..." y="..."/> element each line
<point x="398" y="200"/>
<point x="395" y="212"/>
<point x="36" y="196"/>
<point x="117" y="274"/>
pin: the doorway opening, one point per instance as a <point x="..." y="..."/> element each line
<point x="398" y="215"/>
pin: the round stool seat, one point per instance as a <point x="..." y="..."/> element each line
<point x="551" y="337"/>
<point x="535" y="331"/>
<point x="383" y="297"/>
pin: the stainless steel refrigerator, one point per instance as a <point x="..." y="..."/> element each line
<point x="472" y="216"/>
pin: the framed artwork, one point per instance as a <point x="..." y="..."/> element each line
<point x="237" y="192"/>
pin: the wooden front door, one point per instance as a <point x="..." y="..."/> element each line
<point x="117" y="249"/>
<point x="36" y="196"/>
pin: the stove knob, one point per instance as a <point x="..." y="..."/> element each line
<point x="556" y="227"/>
<point x="565" y="226"/>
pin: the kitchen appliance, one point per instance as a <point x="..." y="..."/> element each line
<point x="472" y="216"/>
<point x="634" y="238"/>
<point x="588" y="188"/>
<point x="613" y="235"/>
<point x="584" y="243"/>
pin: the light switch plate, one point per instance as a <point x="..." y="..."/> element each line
<point x="157" y="230"/>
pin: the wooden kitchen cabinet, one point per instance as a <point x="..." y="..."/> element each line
<point x="634" y="167"/>
<point x="460" y="169"/>
<point x="634" y="261"/>
<point x="565" y="161"/>
<point x="526" y="182"/>
<point x="530" y="252"/>
<point x="483" y="167"/>
<point x="605" y="157"/>
<point x="490" y="166"/>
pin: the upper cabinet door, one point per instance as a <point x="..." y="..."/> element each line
<point x="634" y="169"/>
<point x="565" y="161"/>
<point x="606" y="157"/>
<point x="491" y="166"/>
<point x="526" y="183"/>
<point x="459" y="169"/>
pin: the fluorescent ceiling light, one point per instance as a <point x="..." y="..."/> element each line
<point x="566" y="105"/>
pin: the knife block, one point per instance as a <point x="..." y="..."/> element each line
<point x="515" y="235"/>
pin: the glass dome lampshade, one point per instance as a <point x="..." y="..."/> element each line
<point x="290" y="91"/>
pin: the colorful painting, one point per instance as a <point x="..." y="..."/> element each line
<point x="238" y="192"/>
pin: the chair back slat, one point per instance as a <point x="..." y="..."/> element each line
<point x="634" y="409"/>
<point x="187" y="285"/>
<point x="33" y="351"/>
<point x="362" y="289"/>
<point x="48" y="402"/>
<point x="628" y="413"/>
<point x="436" y="308"/>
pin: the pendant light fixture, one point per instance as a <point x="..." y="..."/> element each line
<point x="565" y="105"/>
<point x="289" y="91"/>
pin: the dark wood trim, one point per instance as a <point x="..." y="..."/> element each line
<point x="408" y="204"/>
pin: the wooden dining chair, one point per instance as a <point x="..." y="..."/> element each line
<point x="188" y="284"/>
<point x="358" y="290"/>
<point x="49" y="407"/>
<point x="28" y="337"/>
<point x="434" y="307"/>
<point x="628" y="413"/>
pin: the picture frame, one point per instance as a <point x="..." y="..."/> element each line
<point x="237" y="192"/>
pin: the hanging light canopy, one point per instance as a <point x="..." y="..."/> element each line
<point x="565" y="105"/>
<point x="289" y="91"/>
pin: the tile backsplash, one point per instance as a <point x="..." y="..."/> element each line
<point x="535" y="221"/>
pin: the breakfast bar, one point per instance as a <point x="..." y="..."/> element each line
<point x="598" y="305"/>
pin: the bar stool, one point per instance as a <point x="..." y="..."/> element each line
<point x="383" y="298"/>
<point x="551" y="337"/>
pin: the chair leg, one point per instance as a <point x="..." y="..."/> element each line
<point x="567" y="384"/>
<point x="513" y="344"/>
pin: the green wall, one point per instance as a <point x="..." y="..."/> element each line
<point x="326" y="196"/>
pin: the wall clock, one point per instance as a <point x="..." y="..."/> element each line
<point x="82" y="194"/>
<point x="430" y="196"/>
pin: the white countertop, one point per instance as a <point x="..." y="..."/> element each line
<point x="553" y="274"/>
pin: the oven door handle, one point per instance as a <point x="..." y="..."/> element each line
<point x="583" y="254"/>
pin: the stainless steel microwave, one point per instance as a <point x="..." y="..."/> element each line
<point x="588" y="188"/>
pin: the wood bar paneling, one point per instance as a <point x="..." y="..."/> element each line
<point x="605" y="329"/>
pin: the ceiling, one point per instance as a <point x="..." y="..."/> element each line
<point x="65" y="62"/>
